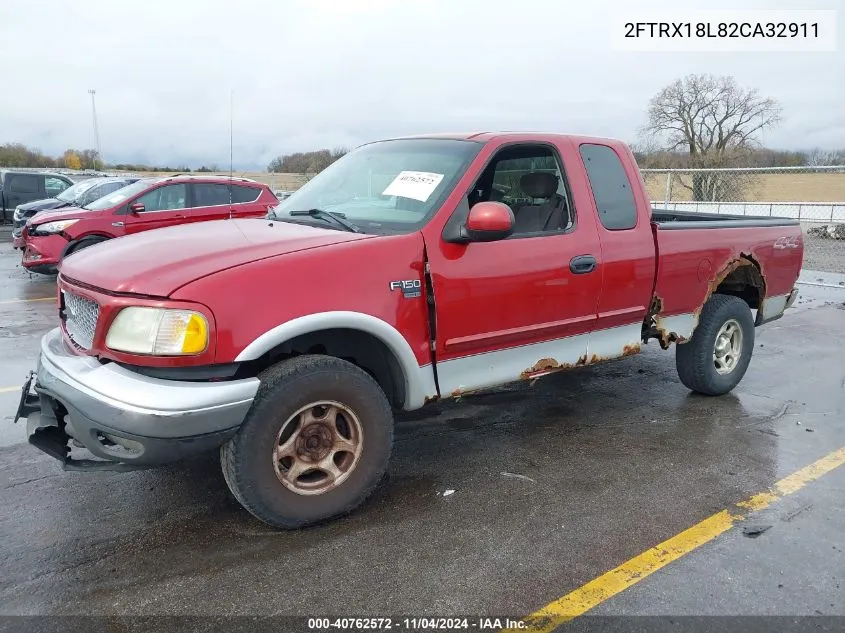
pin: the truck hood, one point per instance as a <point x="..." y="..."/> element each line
<point x="156" y="263"/>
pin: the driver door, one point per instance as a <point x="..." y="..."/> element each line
<point x="517" y="307"/>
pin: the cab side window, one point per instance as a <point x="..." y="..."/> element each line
<point x="530" y="180"/>
<point x="54" y="186"/>
<point x="166" y="198"/>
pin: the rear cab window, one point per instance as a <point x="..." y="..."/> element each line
<point x="611" y="188"/>
<point x="22" y="183"/>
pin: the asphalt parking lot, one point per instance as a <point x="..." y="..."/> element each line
<point x="554" y="484"/>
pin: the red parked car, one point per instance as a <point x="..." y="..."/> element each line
<point x="151" y="203"/>
<point x="409" y="270"/>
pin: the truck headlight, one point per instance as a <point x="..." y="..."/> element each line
<point x="158" y="331"/>
<point x="48" y="228"/>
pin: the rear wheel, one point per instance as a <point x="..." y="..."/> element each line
<point x="716" y="358"/>
<point x="314" y="445"/>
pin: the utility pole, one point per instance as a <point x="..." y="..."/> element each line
<point x="231" y="130"/>
<point x="231" y="144"/>
<point x="96" y="131"/>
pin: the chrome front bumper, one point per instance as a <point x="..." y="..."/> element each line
<point x="122" y="416"/>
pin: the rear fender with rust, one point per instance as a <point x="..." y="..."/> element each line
<point x="668" y="329"/>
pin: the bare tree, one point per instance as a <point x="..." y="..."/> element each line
<point x="715" y="120"/>
<point x="818" y="156"/>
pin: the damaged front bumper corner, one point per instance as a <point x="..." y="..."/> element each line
<point x="124" y="419"/>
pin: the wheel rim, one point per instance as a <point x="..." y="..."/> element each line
<point x="318" y="447"/>
<point x="728" y="347"/>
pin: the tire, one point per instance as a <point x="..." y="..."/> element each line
<point x="696" y="360"/>
<point x="262" y="482"/>
<point x="85" y="242"/>
<point x="43" y="270"/>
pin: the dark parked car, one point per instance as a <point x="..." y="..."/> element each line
<point x="18" y="187"/>
<point x="82" y="193"/>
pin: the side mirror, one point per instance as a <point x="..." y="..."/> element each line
<point x="488" y="222"/>
<point x="136" y="207"/>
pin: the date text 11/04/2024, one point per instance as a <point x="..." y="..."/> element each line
<point x="415" y="624"/>
<point x="722" y="29"/>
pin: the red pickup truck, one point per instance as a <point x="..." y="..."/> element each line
<point x="410" y="270"/>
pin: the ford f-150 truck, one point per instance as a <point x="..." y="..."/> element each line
<point x="410" y="270"/>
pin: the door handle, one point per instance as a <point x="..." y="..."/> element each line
<point x="582" y="264"/>
<point x="117" y="224"/>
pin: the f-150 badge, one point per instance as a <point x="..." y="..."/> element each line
<point x="411" y="288"/>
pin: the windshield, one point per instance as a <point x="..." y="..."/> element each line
<point x="121" y="195"/>
<point x="74" y="191"/>
<point x="385" y="187"/>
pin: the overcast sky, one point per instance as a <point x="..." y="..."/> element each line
<point x="322" y="73"/>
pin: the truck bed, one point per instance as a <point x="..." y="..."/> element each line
<point x="679" y="220"/>
<point x="694" y="260"/>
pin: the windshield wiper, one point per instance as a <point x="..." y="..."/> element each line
<point x="328" y="216"/>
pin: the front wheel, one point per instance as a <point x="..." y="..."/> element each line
<point x="314" y="445"/>
<point x="716" y="358"/>
<point x="85" y="242"/>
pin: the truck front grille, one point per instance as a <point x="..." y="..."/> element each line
<point x="80" y="316"/>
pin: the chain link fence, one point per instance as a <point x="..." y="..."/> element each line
<point x="815" y="196"/>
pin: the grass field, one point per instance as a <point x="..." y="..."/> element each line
<point x="786" y="187"/>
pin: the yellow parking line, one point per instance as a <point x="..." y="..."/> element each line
<point x="26" y="300"/>
<point x="8" y="389"/>
<point x="631" y="572"/>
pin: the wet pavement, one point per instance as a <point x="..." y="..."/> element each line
<point x="554" y="483"/>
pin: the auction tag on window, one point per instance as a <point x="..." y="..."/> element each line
<point x="417" y="185"/>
